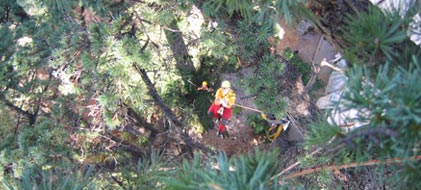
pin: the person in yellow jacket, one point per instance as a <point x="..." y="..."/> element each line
<point x="205" y="87"/>
<point x="221" y="108"/>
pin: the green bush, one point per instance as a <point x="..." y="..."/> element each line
<point x="258" y="124"/>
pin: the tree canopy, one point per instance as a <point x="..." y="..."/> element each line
<point x="88" y="89"/>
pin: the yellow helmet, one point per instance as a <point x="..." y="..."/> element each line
<point x="204" y="83"/>
<point x="226" y="84"/>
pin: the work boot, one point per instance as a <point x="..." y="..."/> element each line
<point x="225" y="134"/>
<point x="219" y="134"/>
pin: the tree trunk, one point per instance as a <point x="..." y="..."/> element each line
<point x="157" y="99"/>
<point x="168" y="113"/>
<point x="179" y="49"/>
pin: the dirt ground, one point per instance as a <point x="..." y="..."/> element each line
<point x="312" y="49"/>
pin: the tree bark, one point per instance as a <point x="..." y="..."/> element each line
<point x="157" y="99"/>
<point x="179" y="49"/>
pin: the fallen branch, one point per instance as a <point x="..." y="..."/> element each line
<point x="333" y="67"/>
<point x="294" y="165"/>
<point x="299" y="162"/>
<point x="351" y="165"/>
<point x="328" y="35"/>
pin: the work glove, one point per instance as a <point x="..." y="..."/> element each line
<point x="224" y="103"/>
<point x="263" y="116"/>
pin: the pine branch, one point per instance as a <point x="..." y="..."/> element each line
<point x="120" y="183"/>
<point x="128" y="146"/>
<point x="352" y="165"/>
<point x="141" y="21"/>
<point x="157" y="99"/>
<point x="294" y="165"/>
<point x="39" y="100"/>
<point x="299" y="162"/>
<point x="368" y="134"/>
<point x="29" y="115"/>
<point x="141" y="121"/>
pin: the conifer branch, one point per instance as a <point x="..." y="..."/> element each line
<point x="141" y="21"/>
<point x="294" y="165"/>
<point x="352" y="165"/>
<point x="128" y="146"/>
<point x="157" y="99"/>
<point x="9" y="104"/>
<point x="141" y="121"/>
<point x="373" y="134"/>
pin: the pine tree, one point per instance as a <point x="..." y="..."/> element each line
<point x="74" y="74"/>
<point x="383" y="88"/>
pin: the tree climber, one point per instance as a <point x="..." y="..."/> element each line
<point x="221" y="108"/>
<point x="205" y="87"/>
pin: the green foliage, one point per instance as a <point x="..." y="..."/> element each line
<point x="393" y="101"/>
<point x="253" y="171"/>
<point x="303" y="68"/>
<point x="259" y="23"/>
<point x="236" y="110"/>
<point x="244" y="7"/>
<point x="57" y="6"/>
<point x="253" y="39"/>
<point x="49" y="178"/>
<point x="14" y="11"/>
<point x="216" y="43"/>
<point x="32" y="148"/>
<point x="371" y="37"/>
<point x="213" y="9"/>
<point x="229" y="7"/>
<point x="90" y="50"/>
<point x="218" y="49"/>
<point x="386" y="97"/>
<point x="8" y="122"/>
<point x="321" y="132"/>
<point x="147" y="173"/>
<point x="253" y="11"/>
<point x="261" y="83"/>
<point x="258" y="124"/>
<point x="389" y="101"/>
